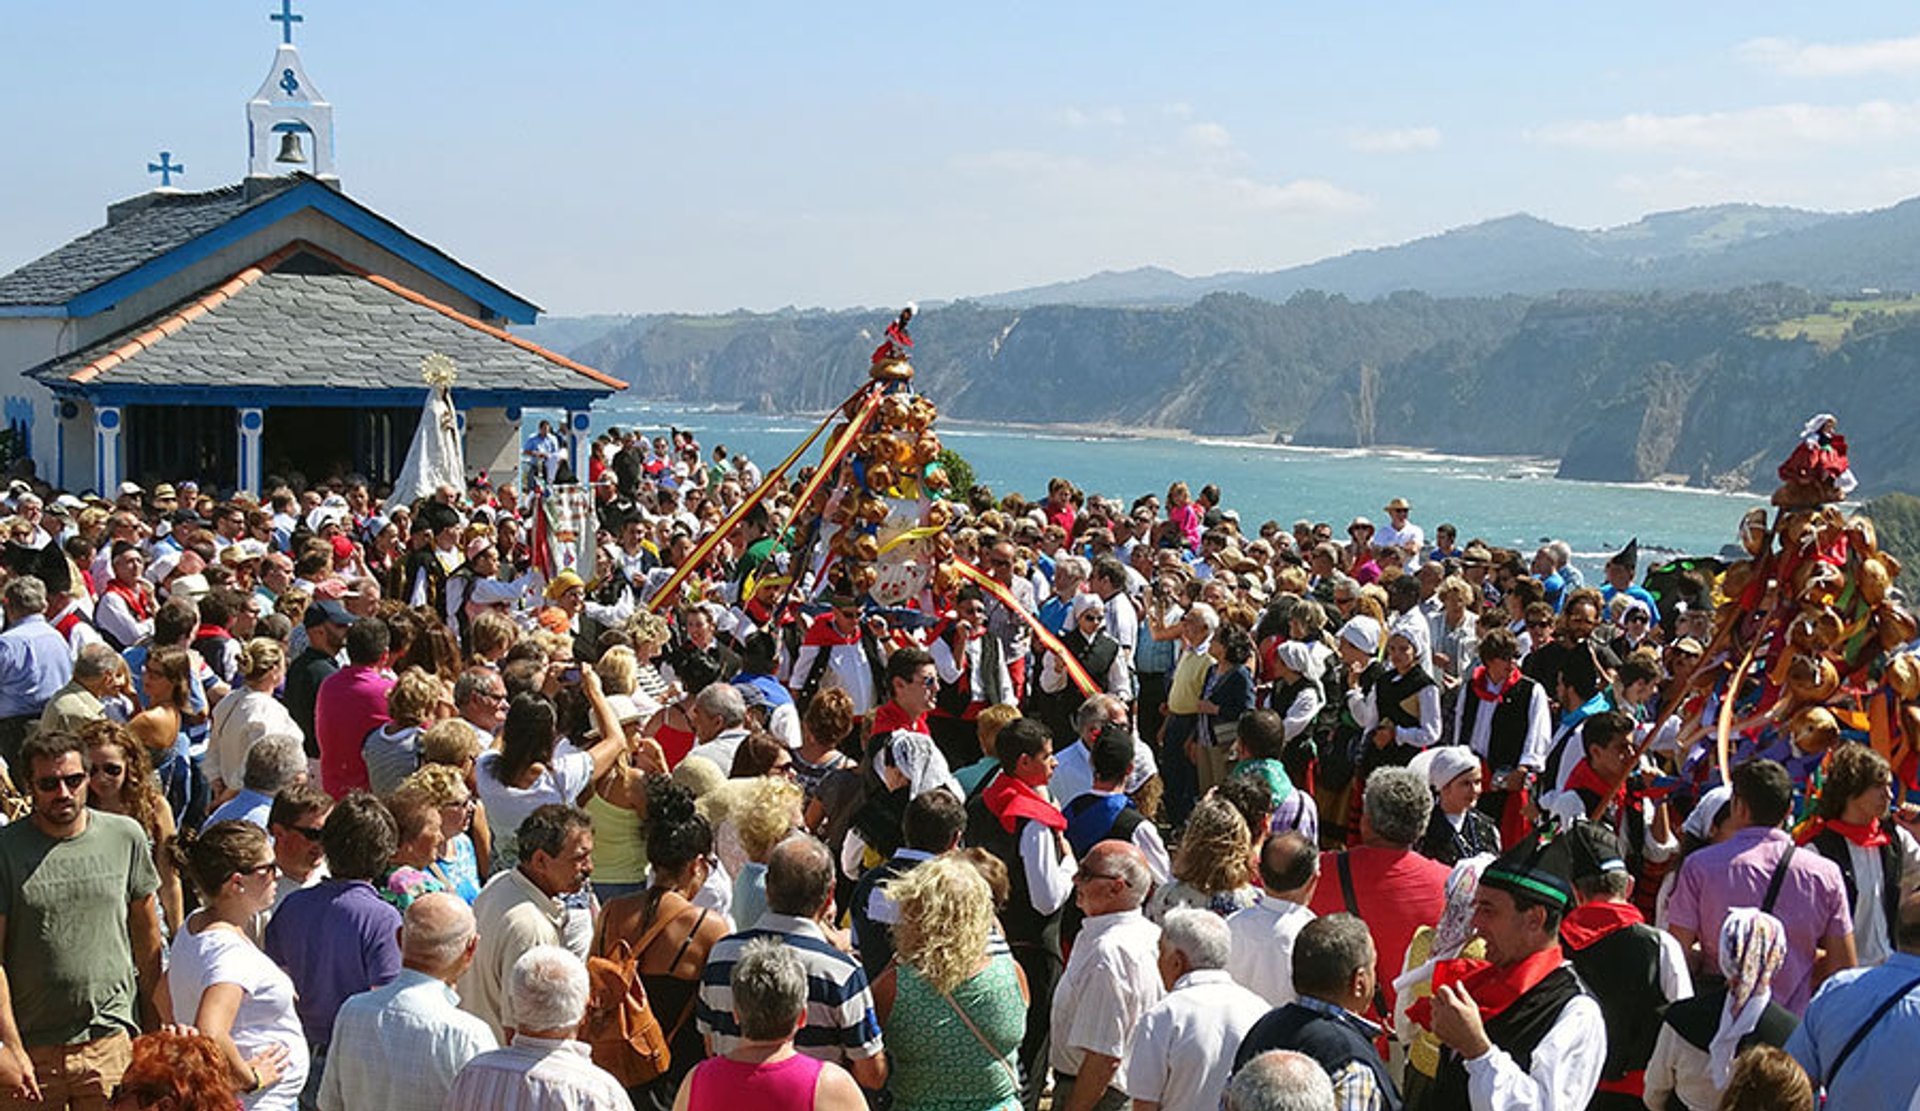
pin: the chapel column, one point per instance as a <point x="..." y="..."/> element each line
<point x="107" y="429"/>
<point x="579" y="444"/>
<point x="250" y="426"/>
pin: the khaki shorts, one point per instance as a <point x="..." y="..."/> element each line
<point x="75" y="1076"/>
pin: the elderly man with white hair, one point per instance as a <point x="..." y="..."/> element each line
<point x="1111" y="980"/>
<point x="1183" y="1048"/>
<point x="399" y="1047"/>
<point x="1073" y="765"/>
<point x="1280" y="1080"/>
<point x="719" y="719"/>
<point x="544" y="1068"/>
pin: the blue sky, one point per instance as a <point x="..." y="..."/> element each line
<point x="601" y="156"/>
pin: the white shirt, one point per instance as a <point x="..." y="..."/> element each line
<point x="242" y="719"/>
<point x="1870" y="939"/>
<point x="512" y="916"/>
<point x="1073" y="771"/>
<point x="537" y="1074"/>
<point x="1410" y="538"/>
<point x="1261" y="959"/>
<point x="722" y="749"/>
<point x="1366" y="715"/>
<point x="562" y="780"/>
<point x="1533" y="750"/>
<point x="266" y="1018"/>
<point x="1049" y="868"/>
<point x="1183" y="1049"/>
<point x="1566" y="1066"/>
<point x="399" y="1047"/>
<point x="1111" y="981"/>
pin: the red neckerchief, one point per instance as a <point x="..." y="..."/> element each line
<point x="131" y="596"/>
<point x="822" y="634"/>
<point x="1488" y="694"/>
<point x="1010" y="800"/>
<point x="890" y="717"/>
<point x="758" y="612"/>
<point x="1589" y="922"/>
<point x="205" y="631"/>
<point x="1867" y="837"/>
<point x="1493" y="987"/>
<point x="1583" y="777"/>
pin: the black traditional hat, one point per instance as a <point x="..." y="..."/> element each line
<point x="437" y="515"/>
<point x="20" y="559"/>
<point x="1593" y="851"/>
<point x="1537" y="869"/>
<point x="50" y="564"/>
<point x="1628" y="557"/>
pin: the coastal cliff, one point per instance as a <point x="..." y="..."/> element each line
<point x="1706" y="388"/>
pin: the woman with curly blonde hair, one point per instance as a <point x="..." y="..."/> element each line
<point x="953" y="1013"/>
<point x="1210" y="865"/>
<point x="120" y="780"/>
<point x="759" y="814"/>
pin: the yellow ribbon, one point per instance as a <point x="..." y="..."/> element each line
<point x="767" y="485"/>
<point x="1044" y="635"/>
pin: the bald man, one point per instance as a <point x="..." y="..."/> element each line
<point x="400" y="1046"/>
<point x="1111" y="980"/>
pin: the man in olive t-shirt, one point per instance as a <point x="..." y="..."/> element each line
<point x="79" y="932"/>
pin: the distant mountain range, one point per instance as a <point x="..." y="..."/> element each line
<point x="1686" y="344"/>
<point x="1696" y="248"/>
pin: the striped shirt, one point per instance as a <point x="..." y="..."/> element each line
<point x="841" y="1025"/>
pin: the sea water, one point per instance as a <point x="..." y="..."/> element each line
<point x="1513" y="503"/>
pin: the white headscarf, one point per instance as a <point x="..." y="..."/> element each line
<point x="1362" y="632"/>
<point x="1752" y="945"/>
<point x="1441" y="764"/>
<point x="1810" y="433"/>
<point x="1299" y="657"/>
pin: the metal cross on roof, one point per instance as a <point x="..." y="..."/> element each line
<point x="286" y="19"/>
<point x="165" y="168"/>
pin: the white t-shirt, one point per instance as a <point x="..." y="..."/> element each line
<point x="217" y="955"/>
<point x="562" y="780"/>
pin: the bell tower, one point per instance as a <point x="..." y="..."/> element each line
<point x="289" y="124"/>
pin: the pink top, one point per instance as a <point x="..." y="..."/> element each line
<point x="1188" y="518"/>
<point x="1735" y="873"/>
<point x="720" y="1084"/>
<point x="351" y="703"/>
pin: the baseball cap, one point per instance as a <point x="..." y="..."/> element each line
<point x="327" y="611"/>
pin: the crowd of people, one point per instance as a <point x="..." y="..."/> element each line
<point x="319" y="802"/>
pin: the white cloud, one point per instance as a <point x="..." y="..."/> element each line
<point x="1818" y="59"/>
<point x="1152" y="190"/>
<point x="1092" y="117"/>
<point x="1395" y="140"/>
<point x="1773" y="130"/>
<point x="1210" y="135"/>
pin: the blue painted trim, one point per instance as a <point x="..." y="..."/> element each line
<point x="256" y="397"/>
<point x="349" y="213"/>
<point x="34" y="310"/>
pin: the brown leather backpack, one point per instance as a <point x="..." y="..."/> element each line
<point x="620" y="1026"/>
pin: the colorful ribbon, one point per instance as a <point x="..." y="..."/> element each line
<point x="838" y="450"/>
<point x="1044" y="635"/>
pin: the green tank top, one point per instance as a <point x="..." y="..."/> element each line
<point x="936" y="1063"/>
<point x="619" y="842"/>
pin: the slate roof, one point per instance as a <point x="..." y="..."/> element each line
<point x="166" y="221"/>
<point x="302" y="318"/>
<point x="155" y="234"/>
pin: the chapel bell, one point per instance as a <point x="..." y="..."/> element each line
<point x="290" y="151"/>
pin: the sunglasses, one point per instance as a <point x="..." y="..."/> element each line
<point x="311" y="833"/>
<point x="48" y="784"/>
<point x="113" y="770"/>
<point x="258" y="870"/>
